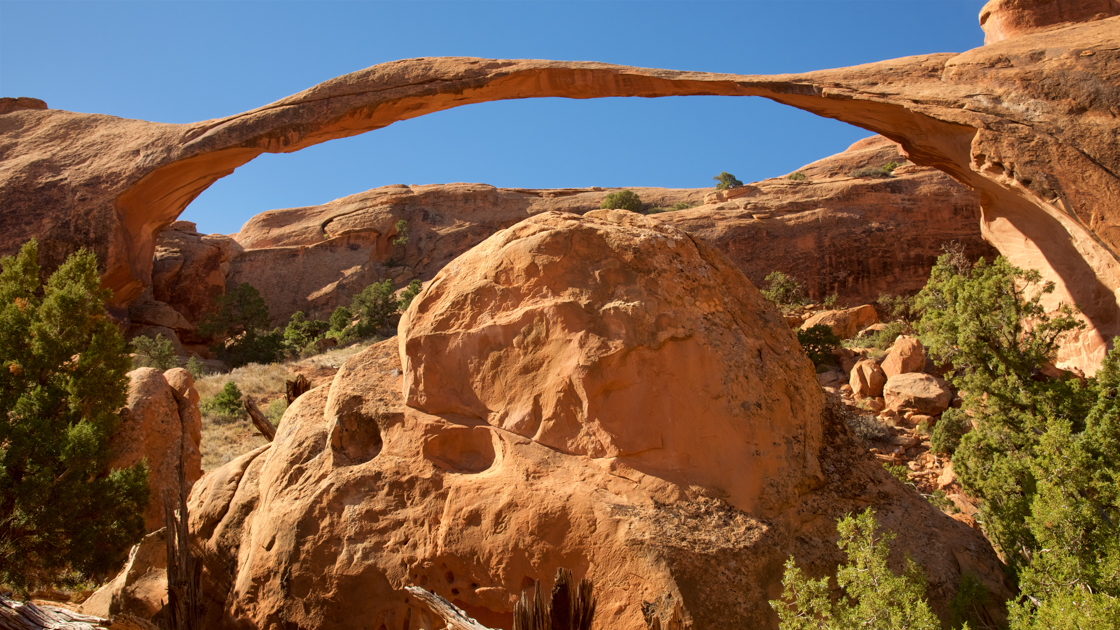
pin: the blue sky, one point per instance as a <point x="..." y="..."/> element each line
<point x="188" y="61"/>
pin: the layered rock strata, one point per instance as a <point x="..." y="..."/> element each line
<point x="647" y="420"/>
<point x="833" y="232"/>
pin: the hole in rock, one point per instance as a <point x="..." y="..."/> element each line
<point x="459" y="449"/>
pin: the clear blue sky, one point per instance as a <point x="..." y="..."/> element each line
<point x="189" y="61"/>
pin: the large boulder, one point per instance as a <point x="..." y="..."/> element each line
<point x="161" y="426"/>
<point x="867" y="379"/>
<point x="605" y="394"/>
<point x="844" y="323"/>
<point x="919" y="393"/>
<point x="906" y="355"/>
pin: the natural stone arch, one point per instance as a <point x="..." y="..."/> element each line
<point x="996" y="118"/>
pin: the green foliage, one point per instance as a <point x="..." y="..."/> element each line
<point x="63" y="364"/>
<point x="967" y="606"/>
<point x="872" y="597"/>
<point x="227" y="403"/>
<point x="830" y="300"/>
<point x="195" y="367"/>
<point x="798" y="176"/>
<point x="402" y="233"/>
<point x="896" y="307"/>
<point x="302" y="332"/>
<point x="881" y="339"/>
<point x="818" y="342"/>
<point x="898" y="471"/>
<point x="340" y="319"/>
<point x="240" y="328"/>
<point x="373" y="307"/>
<point x="1042" y="454"/>
<point x="948" y="431"/>
<point x="410" y="292"/>
<point x="275" y="410"/>
<point x="156" y="353"/>
<point x="726" y="180"/>
<point x="239" y="311"/>
<point x="783" y="291"/>
<point x="871" y="172"/>
<point x="622" y="200"/>
<point x="681" y="205"/>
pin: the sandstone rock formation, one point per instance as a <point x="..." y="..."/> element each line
<point x="647" y="420"/>
<point x="844" y="323"/>
<point x="836" y="234"/>
<point x="160" y="424"/>
<point x="905" y="355"/>
<point x="189" y="271"/>
<point x="1002" y="19"/>
<point x="1028" y="122"/>
<point x="867" y="379"/>
<point x="918" y="393"/>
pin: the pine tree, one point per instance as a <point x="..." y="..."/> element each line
<point x="63" y="517"/>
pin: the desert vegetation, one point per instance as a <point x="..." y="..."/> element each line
<point x="64" y="517"/>
<point x="1029" y="443"/>
<point x="622" y="200"/>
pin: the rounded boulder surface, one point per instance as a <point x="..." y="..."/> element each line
<point x="919" y="393"/>
<point x="906" y="355"/>
<point x="613" y="335"/>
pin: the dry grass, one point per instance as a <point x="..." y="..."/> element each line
<point x="224" y="438"/>
<point x="256" y="380"/>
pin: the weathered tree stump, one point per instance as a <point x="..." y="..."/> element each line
<point x="264" y="427"/>
<point x="297" y="388"/>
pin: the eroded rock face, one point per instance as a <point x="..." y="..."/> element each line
<point x="1002" y="19"/>
<point x="620" y="321"/>
<point x="1028" y="122"/>
<point x="567" y="394"/>
<point x="189" y="271"/>
<point x="160" y="424"/>
<point x="834" y="233"/>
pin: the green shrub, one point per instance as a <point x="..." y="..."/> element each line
<point x="240" y="310"/>
<point x="881" y="339"/>
<point x="726" y="180"/>
<point x="373" y="307"/>
<point x="798" y="176"/>
<point x="195" y="367"/>
<point x="622" y="200"/>
<point x="948" y="431"/>
<point x="818" y="342"/>
<point x="403" y="231"/>
<point x="340" y="319"/>
<point x="898" y="471"/>
<point x="302" y="333"/>
<point x="239" y="328"/>
<point x="226" y="403"/>
<point x="896" y="307"/>
<point x="64" y="517"/>
<point x="783" y="291"/>
<point x="868" y="171"/>
<point x="275" y="410"/>
<point x="158" y="353"/>
<point x="830" y="300"/>
<point x="870" y="595"/>
<point x="411" y="291"/>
